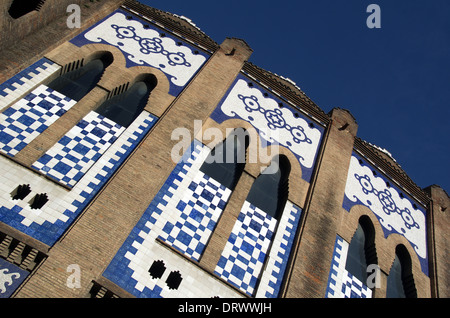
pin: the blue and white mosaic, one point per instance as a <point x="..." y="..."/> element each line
<point x="270" y="282"/>
<point x="129" y="268"/>
<point x="22" y="83"/>
<point x="25" y="120"/>
<point x="275" y="124"/>
<point x="396" y="212"/>
<point x="192" y="222"/>
<point x="244" y="254"/>
<point x="254" y="260"/>
<point x="75" y="153"/>
<point x="48" y="223"/>
<point x="145" y="44"/>
<point x="11" y="277"/>
<point x="341" y="283"/>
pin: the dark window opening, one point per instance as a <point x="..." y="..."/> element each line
<point x="78" y="83"/>
<point x="157" y="269"/>
<point x="270" y="190"/>
<point x="21" y="192"/>
<point x="39" y="201"/>
<point x="400" y="282"/>
<point x="20" y="8"/>
<point x="362" y="251"/>
<point x="226" y="161"/>
<point x="174" y="280"/>
<point x="124" y="108"/>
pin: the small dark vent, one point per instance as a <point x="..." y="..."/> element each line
<point x="21" y="192"/>
<point x="174" y="280"/>
<point x="157" y="269"/>
<point x="39" y="201"/>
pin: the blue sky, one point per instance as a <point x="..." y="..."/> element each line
<point x="394" y="80"/>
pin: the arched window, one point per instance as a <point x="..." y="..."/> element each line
<point x="361" y="251"/>
<point x="20" y="8"/>
<point x="400" y="282"/>
<point x="270" y="190"/>
<point x="126" y="107"/>
<point x="226" y="161"/>
<point x="78" y="83"/>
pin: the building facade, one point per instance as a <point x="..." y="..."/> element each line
<point x="115" y="179"/>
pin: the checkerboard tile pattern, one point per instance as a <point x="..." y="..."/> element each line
<point x="29" y="117"/>
<point x="272" y="277"/>
<point x="22" y="83"/>
<point x="49" y="223"/>
<point x="196" y="215"/>
<point x="69" y="159"/>
<point x="244" y="254"/>
<point x="341" y="283"/>
<point x="129" y="268"/>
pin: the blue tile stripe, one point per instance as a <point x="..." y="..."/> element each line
<point x="24" y="81"/>
<point x="72" y="156"/>
<point x="25" y="120"/>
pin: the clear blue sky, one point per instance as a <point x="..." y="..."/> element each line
<point x="394" y="80"/>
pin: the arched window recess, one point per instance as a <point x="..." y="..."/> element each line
<point x="226" y="161"/>
<point x="81" y="79"/>
<point x="125" y="107"/>
<point x="270" y="190"/>
<point x="400" y="282"/>
<point x="362" y="251"/>
<point x="19" y="8"/>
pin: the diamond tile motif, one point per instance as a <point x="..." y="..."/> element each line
<point x="196" y="215"/>
<point x="69" y="159"/>
<point x="243" y="258"/>
<point x="29" y="117"/>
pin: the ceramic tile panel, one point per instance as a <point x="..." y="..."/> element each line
<point x="143" y="43"/>
<point x="284" y="126"/>
<point x="11" y="277"/>
<point x="396" y="211"/>
<point x="72" y="156"/>
<point x="25" y="120"/>
<point x="341" y="283"/>
<point x="130" y="268"/>
<point x="48" y="223"/>
<point x="23" y="82"/>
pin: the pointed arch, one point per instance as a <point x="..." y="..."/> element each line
<point x="400" y="281"/>
<point x="77" y="83"/>
<point x="226" y="162"/>
<point x="125" y="107"/>
<point x="19" y="8"/>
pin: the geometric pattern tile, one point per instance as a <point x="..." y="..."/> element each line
<point x="52" y="220"/>
<point x="244" y="254"/>
<point x="69" y="159"/>
<point x="195" y="217"/>
<point x="145" y="44"/>
<point x="396" y="211"/>
<point x="130" y="267"/>
<point x="30" y="116"/>
<point x="341" y="283"/>
<point x="23" y="82"/>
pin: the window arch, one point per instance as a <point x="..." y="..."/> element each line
<point x="226" y="161"/>
<point x="79" y="82"/>
<point x="270" y="190"/>
<point x="20" y="8"/>
<point x="126" y="107"/>
<point x="400" y="282"/>
<point x="361" y="250"/>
